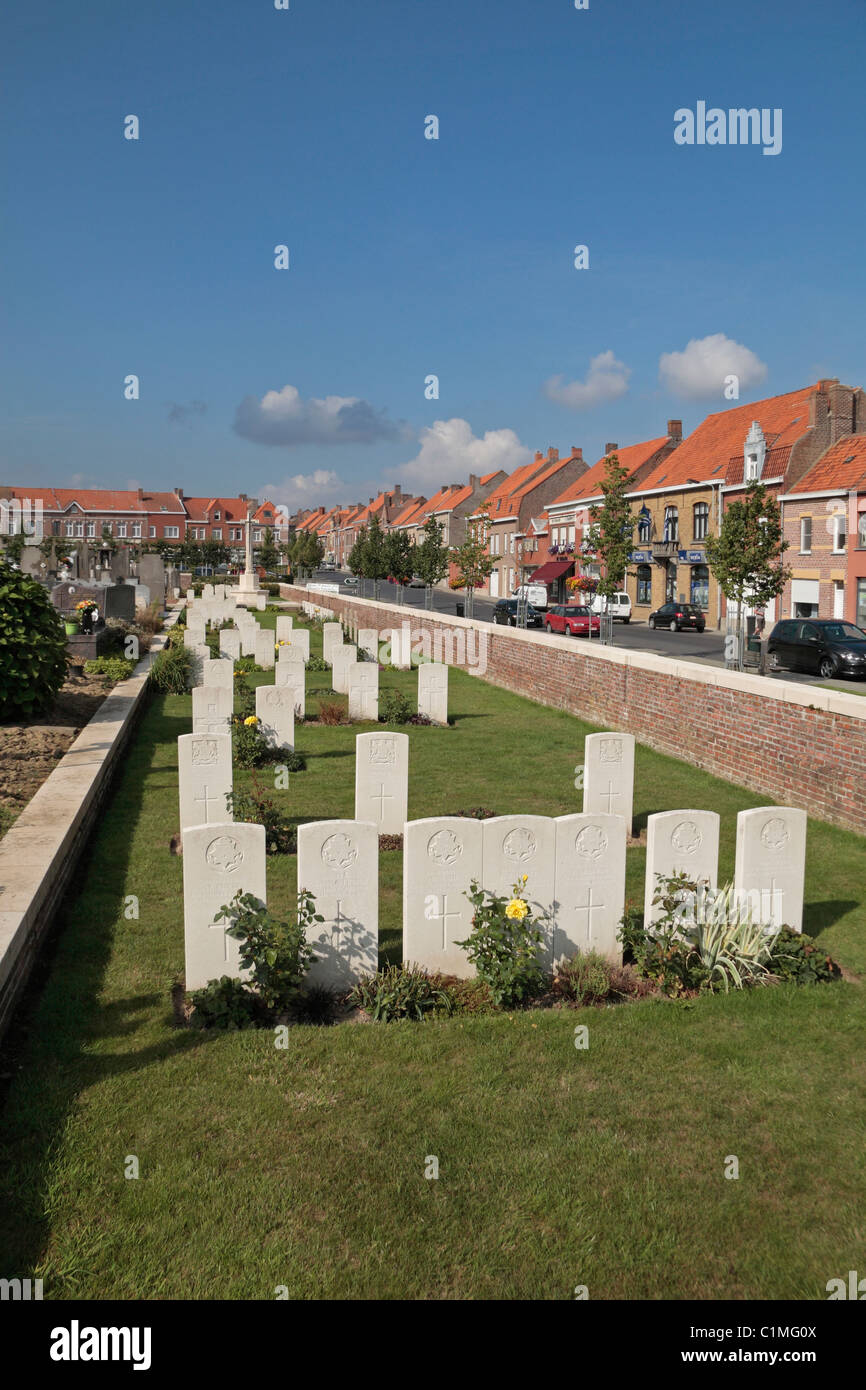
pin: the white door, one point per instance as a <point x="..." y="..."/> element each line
<point x="838" y="599"/>
<point x="494" y="583"/>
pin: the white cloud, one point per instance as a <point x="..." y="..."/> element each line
<point x="285" y="418"/>
<point x="320" y="488"/>
<point x="450" y="452"/>
<point x="700" y="370"/>
<point x="606" y="380"/>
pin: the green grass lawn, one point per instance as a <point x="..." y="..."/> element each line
<point x="305" y="1167"/>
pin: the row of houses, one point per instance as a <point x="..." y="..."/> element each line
<point x="138" y="516"/>
<point x="808" y="447"/>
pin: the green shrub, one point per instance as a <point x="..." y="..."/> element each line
<point x="795" y="957"/>
<point x="293" y="761"/>
<point x="225" y="1004"/>
<point x="245" y="696"/>
<point x="277" y="953"/>
<point x="32" y="646"/>
<point x="583" y="979"/>
<point x="317" y="663"/>
<point x="257" y="807"/>
<point x="250" y="748"/>
<point x="394" y="708"/>
<point x="117" y="668"/>
<point x="503" y="944"/>
<point x="172" y="671"/>
<point x="245" y="665"/>
<point x="400" y="991"/>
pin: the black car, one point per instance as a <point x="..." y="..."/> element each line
<point x="677" y="616"/>
<point x="505" y="611"/>
<point x="827" y="646"/>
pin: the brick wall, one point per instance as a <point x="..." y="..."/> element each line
<point x="799" y="745"/>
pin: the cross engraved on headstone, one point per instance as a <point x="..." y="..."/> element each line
<point x="588" y="907"/>
<point x="223" y="927"/>
<point x="772" y="915"/>
<point x="381" y="796"/>
<point x="212" y="709"/>
<point x="609" y="796"/>
<point x="443" y="918"/>
<point x="336" y="923"/>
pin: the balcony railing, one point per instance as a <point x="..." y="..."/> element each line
<point x="664" y="550"/>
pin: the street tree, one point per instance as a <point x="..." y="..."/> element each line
<point x="472" y="558"/>
<point x="746" y="556"/>
<point x="611" y="533"/>
<point x="432" y="558"/>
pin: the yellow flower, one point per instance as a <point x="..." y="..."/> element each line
<point x="251" y="720"/>
<point x="516" y="909"/>
<point x="524" y="878"/>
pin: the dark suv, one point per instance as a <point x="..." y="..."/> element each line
<point x="505" y="611"/>
<point x="826" y="646"/>
<point x="677" y="616"/>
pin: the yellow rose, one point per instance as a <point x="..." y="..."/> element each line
<point x="516" y="909"/>
<point x="251" y="720"/>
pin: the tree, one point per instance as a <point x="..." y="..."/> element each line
<point x="432" y="558"/>
<point x="399" y="551"/>
<point x="32" y="646"/>
<point x="472" y="558"/>
<point x="355" y="559"/>
<point x="746" y="556"/>
<point x="268" y="553"/>
<point x="611" y="534"/>
<point x="373" y="561"/>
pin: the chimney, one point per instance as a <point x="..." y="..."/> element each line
<point x="140" y="494"/>
<point x="538" y="456"/>
<point x="552" y="455"/>
<point x="473" y="481"/>
<point x="610" y="449"/>
<point x="178" y="492"/>
<point x="397" y="492"/>
<point x="675" y="430"/>
<point x="577" y="453"/>
<point x="242" y="497"/>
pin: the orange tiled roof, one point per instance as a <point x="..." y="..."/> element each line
<point x="708" y="450"/>
<point x="632" y="457"/>
<point x="100" y="499"/>
<point x="408" y="514"/>
<point x="842" y="466"/>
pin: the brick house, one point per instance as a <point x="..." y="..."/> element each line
<point x="824" y="522"/>
<point x="511" y="508"/>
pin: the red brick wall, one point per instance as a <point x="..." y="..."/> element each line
<point x="795" y="753"/>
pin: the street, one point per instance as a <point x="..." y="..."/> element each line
<point x="705" y="647"/>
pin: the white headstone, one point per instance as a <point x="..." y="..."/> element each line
<point x="291" y="675"/>
<point x="608" y="775"/>
<point x="204" y="765"/>
<point x="201" y="658"/>
<point x="275" y="711"/>
<point x="433" y="691"/>
<point x="518" y="845"/>
<point x="285" y="623"/>
<point x="400" y="647"/>
<point x="265" y="649"/>
<point x="193" y="636"/>
<point x="220" y="672"/>
<point x="441" y="857"/>
<point x="680" y="842"/>
<point x="332" y="636"/>
<point x="291" y="654"/>
<point x="770" y="871"/>
<point x="219" y="591"/>
<point x="300" y="643"/>
<point x="368" y="641"/>
<point x="382" y="780"/>
<point x="590" y="885"/>
<point x="341" y="658"/>
<point x="363" y="681"/>
<point x="249" y="633"/>
<point x="230" y="643"/>
<point x="212" y="707"/>
<point x="207" y="592"/>
<point x="219" y="861"/>
<point x="338" y="862"/>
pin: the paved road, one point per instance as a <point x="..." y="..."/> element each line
<point x="707" y="646"/>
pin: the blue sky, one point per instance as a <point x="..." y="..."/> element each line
<point x="408" y="256"/>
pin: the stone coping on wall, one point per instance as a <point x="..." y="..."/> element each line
<point x="788" y="692"/>
<point x="39" y="852"/>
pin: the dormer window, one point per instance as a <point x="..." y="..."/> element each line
<point x="217" y="516"/>
<point x="754" y="452"/>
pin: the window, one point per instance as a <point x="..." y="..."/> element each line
<point x="70" y="528"/>
<point x="644" y="584"/>
<point x="171" y="533"/>
<point x="672" y="524"/>
<point x="861" y="531"/>
<point x="121" y="529"/>
<point x="805" y="535"/>
<point x="79" y="528"/>
<point x="217" y="516"/>
<point x="840" y="533"/>
<point x="571" y="535"/>
<point x="751" y="467"/>
<point x="55" y="528"/>
<point x="644" y="527"/>
<point x="700" y="586"/>
<point x="136" y="530"/>
<point x="217" y="533"/>
<point x="152" y="532"/>
<point x="257" y="535"/>
<point x="860" y="617"/>
<point x="91" y="528"/>
<point x="702" y="521"/>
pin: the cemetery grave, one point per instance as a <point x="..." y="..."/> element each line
<point x="640" y="1111"/>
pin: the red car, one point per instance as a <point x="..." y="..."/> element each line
<point x="571" y="619"/>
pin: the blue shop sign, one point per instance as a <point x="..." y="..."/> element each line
<point x="641" y="557"/>
<point x="692" y="557"/>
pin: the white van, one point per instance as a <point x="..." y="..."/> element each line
<point x="618" y="604"/>
<point x="536" y="594"/>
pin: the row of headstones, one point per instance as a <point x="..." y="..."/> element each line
<point x="361" y="678"/>
<point x="575" y="868"/>
<point x="225" y="593"/>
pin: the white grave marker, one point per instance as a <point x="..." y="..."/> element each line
<point x="341" y="658"/>
<point x="220" y="672"/>
<point x="441" y="857"/>
<point x="382" y="780"/>
<point x="518" y="845"/>
<point x="212" y="707"/>
<point x="368" y="641"/>
<point x="770" y="871"/>
<point x="363" y="679"/>
<point x="285" y="623"/>
<point x="433" y="691"/>
<point x="680" y="842"/>
<point x="275" y="711"/>
<point x="608" y="774"/>
<point x="589" y="885"/>
<point x="338" y="861"/>
<point x="219" y="861"/>
<point x="204" y="765"/>
<point x="291" y="675"/>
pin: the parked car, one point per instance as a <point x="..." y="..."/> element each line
<point x="824" y="645"/>
<point x="677" y="616"/>
<point x="618" y="605"/>
<point x="536" y="594"/>
<point x="505" y="611"/>
<point x="572" y="619"/>
<point x="416" y="582"/>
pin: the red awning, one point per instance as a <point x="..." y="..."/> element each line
<point x="554" y="569"/>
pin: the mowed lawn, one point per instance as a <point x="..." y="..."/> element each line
<point x="305" y="1167"/>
